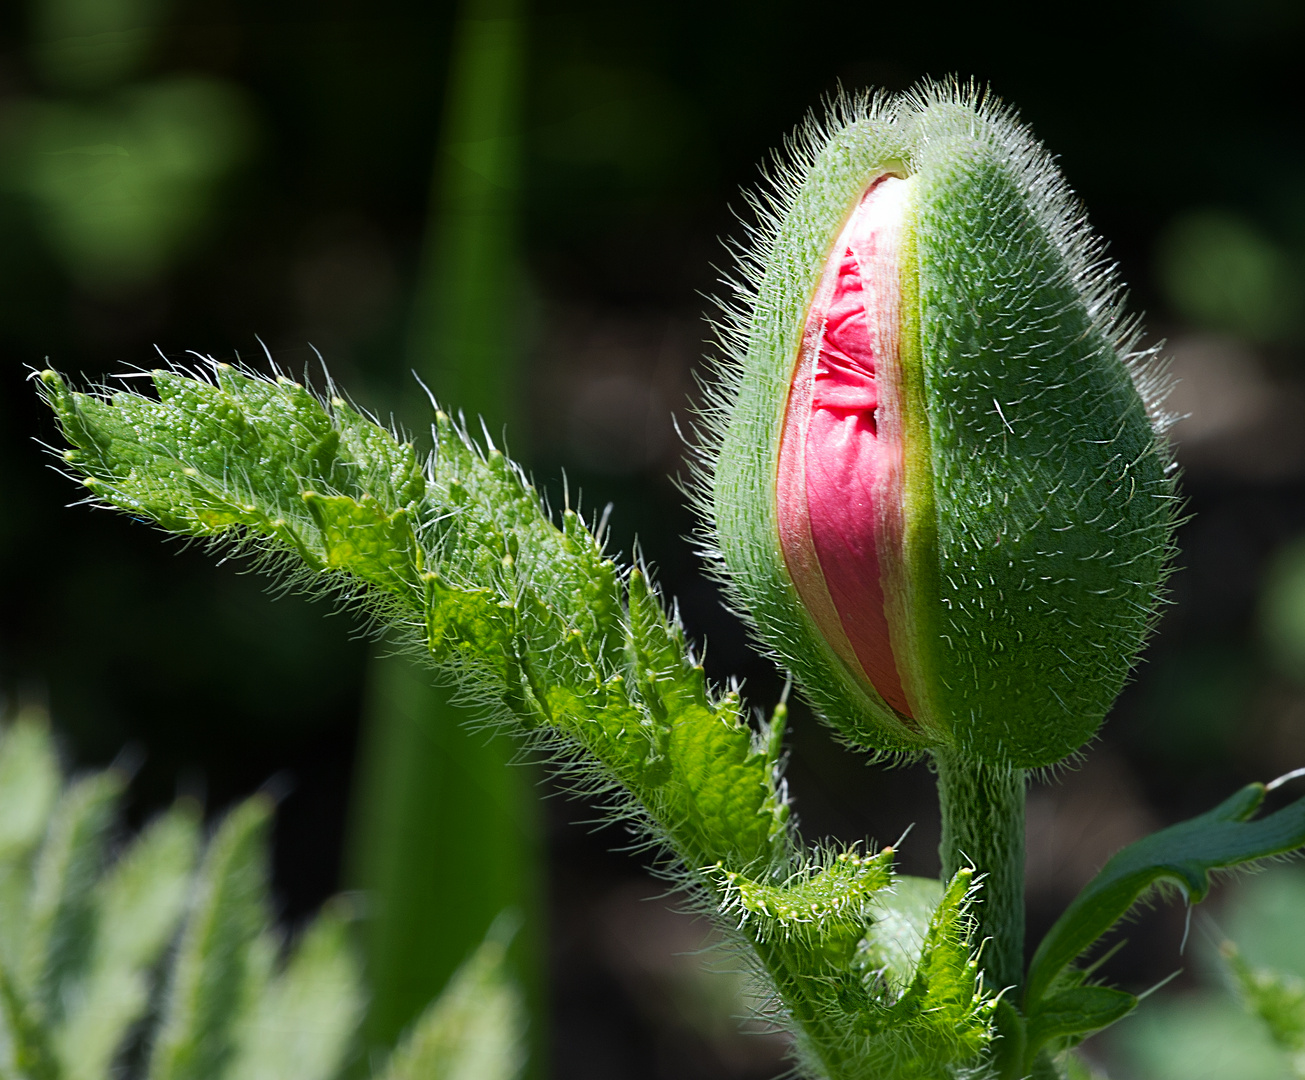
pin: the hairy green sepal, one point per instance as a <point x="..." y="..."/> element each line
<point x="1037" y="501"/>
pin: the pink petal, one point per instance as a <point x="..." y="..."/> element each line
<point x="836" y="469"/>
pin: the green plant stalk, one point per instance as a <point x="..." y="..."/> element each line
<point x="983" y="827"/>
<point x="422" y="768"/>
<point x="423" y="762"/>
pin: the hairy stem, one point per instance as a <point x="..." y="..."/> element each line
<point x="983" y="827"/>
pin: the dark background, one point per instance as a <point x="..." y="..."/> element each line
<point x="1180" y="126"/>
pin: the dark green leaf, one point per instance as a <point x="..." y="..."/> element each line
<point x="1073" y="1014"/>
<point x="1183" y="854"/>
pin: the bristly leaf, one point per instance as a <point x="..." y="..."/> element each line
<point x="538" y="627"/>
<point x="935" y="1027"/>
<point x="1184" y="855"/>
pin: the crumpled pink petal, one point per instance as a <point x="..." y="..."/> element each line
<point x="834" y="464"/>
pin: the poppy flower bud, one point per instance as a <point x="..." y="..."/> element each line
<point x="939" y="485"/>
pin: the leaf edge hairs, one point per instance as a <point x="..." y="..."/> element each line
<point x="1040" y="493"/>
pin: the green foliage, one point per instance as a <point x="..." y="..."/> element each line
<point x="1219" y="270"/>
<point x="1277" y="998"/>
<point x="158" y="959"/>
<point x="473" y="1032"/>
<point x="1184" y="855"/>
<point x="1202" y="1034"/>
<point x="1061" y="1009"/>
<point x="423" y="760"/>
<point x="536" y="626"/>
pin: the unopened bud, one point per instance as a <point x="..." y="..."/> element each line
<point x="940" y="488"/>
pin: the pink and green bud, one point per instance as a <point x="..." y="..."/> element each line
<point x="939" y="487"/>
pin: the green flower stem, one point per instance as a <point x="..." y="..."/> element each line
<point x="983" y="827"/>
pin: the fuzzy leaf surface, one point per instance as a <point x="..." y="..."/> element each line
<point x="536" y="626"/>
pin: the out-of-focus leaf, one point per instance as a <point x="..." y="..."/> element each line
<point x="901" y="916"/>
<point x="125" y="186"/>
<point x="475" y="1030"/>
<point x="138" y="907"/>
<point x="1196" y="1037"/>
<point x="214" y="960"/>
<point x="1220" y="271"/>
<point x="29" y="786"/>
<point x="302" y="1025"/>
<point x="83" y="45"/>
<point x="61" y="909"/>
<point x="1183" y="854"/>
<point x="24" y="1049"/>
<point x="1277" y="998"/>
<point x="1282" y="610"/>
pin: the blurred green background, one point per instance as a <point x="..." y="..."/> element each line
<point x="225" y="176"/>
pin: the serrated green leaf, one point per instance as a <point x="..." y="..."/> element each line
<point x="302" y="1023"/>
<point x="856" y="1023"/>
<point x="29" y="786"/>
<point x="475" y="1029"/>
<point x="535" y="625"/>
<point x="214" y="961"/>
<point x="138" y="906"/>
<point x="1183" y="854"/>
<point x="61" y="910"/>
<point x="823" y="911"/>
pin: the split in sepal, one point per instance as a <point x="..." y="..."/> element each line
<point x="934" y="475"/>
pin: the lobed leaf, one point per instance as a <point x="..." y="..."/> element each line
<point x="531" y="620"/>
<point x="538" y="627"/>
